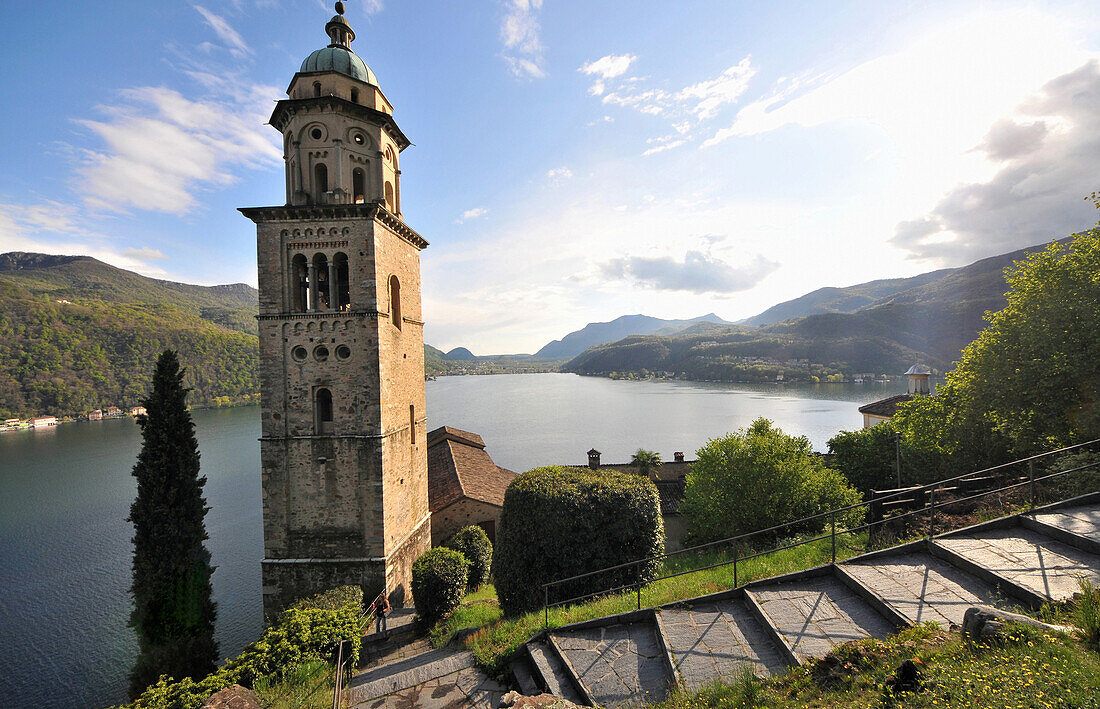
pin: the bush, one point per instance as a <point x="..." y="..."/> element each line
<point x="867" y="457"/>
<point x="308" y="630"/>
<point x="1086" y="612"/>
<point x="559" y="522"/>
<point x="759" y="477"/>
<point x="438" y="583"/>
<point x="474" y="544"/>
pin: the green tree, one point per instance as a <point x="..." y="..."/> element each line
<point x="173" y="610"/>
<point x="646" y="462"/>
<point x="756" y="478"/>
<point x="473" y="543"/>
<point x="867" y="457"/>
<point x="1031" y="380"/>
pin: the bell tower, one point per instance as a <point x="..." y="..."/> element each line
<point x="343" y="449"/>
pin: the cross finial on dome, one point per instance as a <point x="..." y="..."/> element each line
<point x="339" y="30"/>
<point x="339" y="8"/>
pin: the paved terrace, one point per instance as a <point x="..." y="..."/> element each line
<point x="773" y="624"/>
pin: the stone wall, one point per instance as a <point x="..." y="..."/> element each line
<point x="459" y="514"/>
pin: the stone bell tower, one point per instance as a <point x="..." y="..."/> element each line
<point x="343" y="450"/>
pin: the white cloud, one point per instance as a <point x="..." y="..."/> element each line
<point x="161" y="147"/>
<point x="229" y="36"/>
<point x="605" y="68"/>
<point x="662" y="144"/>
<point x="697" y="272"/>
<point x="519" y="31"/>
<point x="475" y="213"/>
<point x="144" y="254"/>
<point x="710" y="95"/>
<point x="558" y="174"/>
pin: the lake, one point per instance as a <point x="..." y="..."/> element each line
<point x="65" y="493"/>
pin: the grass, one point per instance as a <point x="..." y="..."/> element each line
<point x="306" y="686"/>
<point x="1027" y="669"/>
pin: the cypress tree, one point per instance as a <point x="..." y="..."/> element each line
<point x="173" y="610"/>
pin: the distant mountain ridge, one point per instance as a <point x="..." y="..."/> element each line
<point x="600" y="333"/>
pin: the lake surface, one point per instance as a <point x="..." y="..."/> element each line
<point x="65" y="493"/>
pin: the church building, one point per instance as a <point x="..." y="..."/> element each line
<point x="344" y="445"/>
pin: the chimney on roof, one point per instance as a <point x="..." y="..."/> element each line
<point x="678" y="456"/>
<point x="594" y="459"/>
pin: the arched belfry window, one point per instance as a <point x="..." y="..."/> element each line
<point x="355" y="95"/>
<point x="317" y="89"/>
<point x="359" y="185"/>
<point x="395" y="301"/>
<point x="322" y="412"/>
<point x="389" y="196"/>
<point x="320" y="180"/>
<point x="299" y="284"/>
<point x="341" y="286"/>
<point x="321" y="293"/>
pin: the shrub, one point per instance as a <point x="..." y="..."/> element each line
<point x="308" y="630"/>
<point x="474" y="544"/>
<point x="759" y="477"/>
<point x="867" y="457"/>
<point x="559" y="522"/>
<point x="1086" y="613"/>
<point x="438" y="583"/>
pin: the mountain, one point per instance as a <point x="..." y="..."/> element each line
<point x="929" y="319"/>
<point x="78" y="334"/>
<point x="841" y="300"/>
<point x="460" y="353"/>
<point x="600" y="333"/>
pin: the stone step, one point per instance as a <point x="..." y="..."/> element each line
<point x="814" y="614"/>
<point x="618" y="664"/>
<point x="713" y="639"/>
<point x="1082" y="520"/>
<point x="1044" y="566"/>
<point x="921" y="587"/>
<point x="525" y="675"/>
<point x="416" y="670"/>
<point x="551" y="671"/>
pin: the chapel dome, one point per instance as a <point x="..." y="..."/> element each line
<point x="342" y="60"/>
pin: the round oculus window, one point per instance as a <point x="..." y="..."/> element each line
<point x="299" y="354"/>
<point x="343" y="352"/>
<point x="316" y="133"/>
<point x="359" y="139"/>
<point x="320" y="354"/>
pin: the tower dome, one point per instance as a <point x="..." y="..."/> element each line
<point x="338" y="56"/>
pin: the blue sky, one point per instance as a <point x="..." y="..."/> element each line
<point x="572" y="161"/>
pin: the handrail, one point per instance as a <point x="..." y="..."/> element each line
<point x="831" y="513"/>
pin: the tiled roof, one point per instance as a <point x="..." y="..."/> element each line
<point x="459" y="466"/>
<point x="671" y="493"/>
<point x="884" y="407"/>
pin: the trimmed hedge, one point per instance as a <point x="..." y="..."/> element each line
<point x="308" y="630"/>
<point x="559" y="522"/>
<point x="438" y="583"/>
<point x="474" y="544"/>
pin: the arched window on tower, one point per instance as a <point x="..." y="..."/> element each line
<point x="389" y="196"/>
<point x="355" y="95"/>
<point x="322" y="412"/>
<point x="323" y="289"/>
<point x="342" y="289"/>
<point x="299" y="284"/>
<point x="359" y="185"/>
<point x="320" y="180"/>
<point x="395" y="301"/>
<point x="317" y="89"/>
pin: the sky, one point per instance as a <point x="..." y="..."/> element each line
<point x="571" y="161"/>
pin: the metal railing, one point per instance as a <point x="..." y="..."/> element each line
<point x="737" y="541"/>
<point x="342" y="659"/>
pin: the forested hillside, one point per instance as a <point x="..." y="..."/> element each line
<point x="77" y="334"/>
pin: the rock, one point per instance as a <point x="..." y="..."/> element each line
<point x="515" y="700"/>
<point x="233" y="697"/>
<point x="907" y="678"/>
<point x="986" y="623"/>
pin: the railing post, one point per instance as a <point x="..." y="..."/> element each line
<point x="931" y="511"/>
<point x="1031" y="477"/>
<point x="832" y="522"/>
<point x="639" y="587"/>
<point x="546" y="606"/>
<point x="735" y="566"/>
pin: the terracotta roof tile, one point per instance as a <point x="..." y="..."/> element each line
<point x="884" y="407"/>
<point x="459" y="466"/>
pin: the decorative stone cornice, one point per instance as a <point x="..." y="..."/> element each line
<point x="336" y="212"/>
<point x="287" y="108"/>
<point x="339" y="314"/>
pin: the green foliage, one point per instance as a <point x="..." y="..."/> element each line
<point x="304" y="632"/>
<point x="1031" y="380"/>
<point x="438" y="583"/>
<point x="78" y="335"/>
<point x="756" y="478"/>
<point x="1086" y="612"/>
<point x="173" y="610"/>
<point x="558" y="522"/>
<point x="646" y="462"/>
<point x="867" y="457"/>
<point x="474" y="544"/>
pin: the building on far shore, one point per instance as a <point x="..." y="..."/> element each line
<point x="465" y="486"/>
<point x="96" y="415"/>
<point x="137" y="410"/>
<point x="112" y="411"/>
<point x="43" y="421"/>
<point x="884" y="409"/>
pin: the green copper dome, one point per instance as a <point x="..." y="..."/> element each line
<point x="342" y="60"/>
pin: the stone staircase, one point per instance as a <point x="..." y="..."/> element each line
<point x="773" y="624"/>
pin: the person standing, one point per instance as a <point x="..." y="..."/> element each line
<point x="381" y="608"/>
